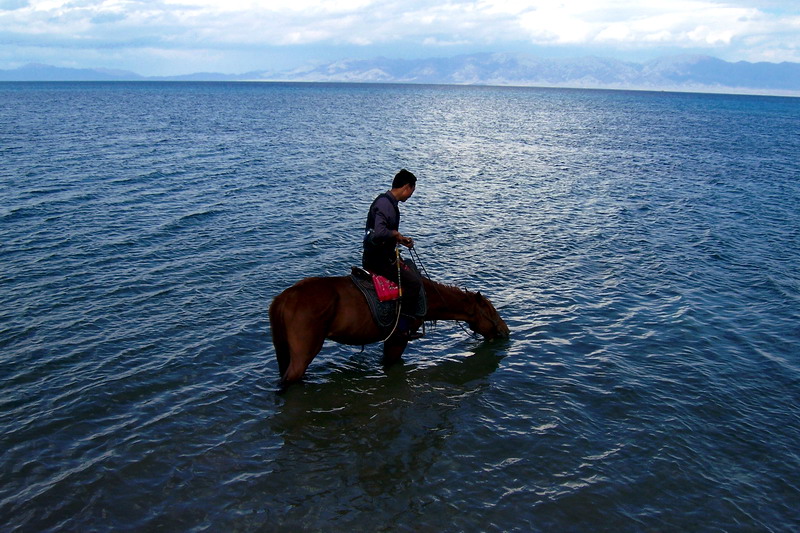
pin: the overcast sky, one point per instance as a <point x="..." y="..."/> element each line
<point x="160" y="37"/>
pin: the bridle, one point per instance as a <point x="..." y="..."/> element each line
<point x="486" y="316"/>
<point x="478" y="306"/>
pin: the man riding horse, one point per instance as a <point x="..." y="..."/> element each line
<point x="318" y="308"/>
<point x="381" y="237"/>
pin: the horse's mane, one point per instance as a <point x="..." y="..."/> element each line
<point x="447" y="286"/>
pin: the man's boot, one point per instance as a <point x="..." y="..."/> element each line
<point x="407" y="328"/>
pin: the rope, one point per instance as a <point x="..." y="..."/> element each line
<point x="400" y="295"/>
<point x="425" y="271"/>
<point x="415" y="254"/>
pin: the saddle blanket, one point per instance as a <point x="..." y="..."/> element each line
<point x="384" y="311"/>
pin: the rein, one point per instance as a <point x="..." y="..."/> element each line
<point x="460" y="324"/>
<point x="400" y="297"/>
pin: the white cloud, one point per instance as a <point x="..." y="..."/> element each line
<point x="255" y="6"/>
<point x="733" y="29"/>
<point x="682" y="23"/>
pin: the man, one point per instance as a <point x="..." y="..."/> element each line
<point x="381" y="237"/>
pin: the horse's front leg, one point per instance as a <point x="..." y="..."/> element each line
<point x="393" y="351"/>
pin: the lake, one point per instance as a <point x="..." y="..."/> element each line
<point x="642" y="247"/>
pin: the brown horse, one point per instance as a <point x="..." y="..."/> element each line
<point x="315" y="309"/>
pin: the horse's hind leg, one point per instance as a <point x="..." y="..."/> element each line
<point x="302" y="350"/>
<point x="302" y="316"/>
<point x="283" y="358"/>
<point x="279" y="336"/>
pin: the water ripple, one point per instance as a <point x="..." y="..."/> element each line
<point x="643" y="260"/>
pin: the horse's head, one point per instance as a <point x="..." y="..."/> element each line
<point x="486" y="320"/>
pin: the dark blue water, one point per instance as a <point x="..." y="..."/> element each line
<point x="642" y="247"/>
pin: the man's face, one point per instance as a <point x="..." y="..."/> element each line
<point x="408" y="190"/>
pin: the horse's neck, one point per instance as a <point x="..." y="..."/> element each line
<point x="448" y="303"/>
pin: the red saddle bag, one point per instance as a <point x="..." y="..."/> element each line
<point x="386" y="289"/>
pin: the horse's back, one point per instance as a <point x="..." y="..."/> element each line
<point x="332" y="303"/>
<point x="318" y="298"/>
<point x="315" y="293"/>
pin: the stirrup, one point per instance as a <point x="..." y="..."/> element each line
<point x="412" y="335"/>
<point x="407" y="335"/>
<point x="405" y="332"/>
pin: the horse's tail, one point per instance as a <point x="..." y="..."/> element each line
<point x="280" y="337"/>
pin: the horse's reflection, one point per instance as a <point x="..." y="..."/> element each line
<point x="373" y="433"/>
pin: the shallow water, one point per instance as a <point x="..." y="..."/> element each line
<point x="642" y="247"/>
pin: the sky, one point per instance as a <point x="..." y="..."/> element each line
<point x="172" y="37"/>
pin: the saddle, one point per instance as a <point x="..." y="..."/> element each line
<point x="382" y="295"/>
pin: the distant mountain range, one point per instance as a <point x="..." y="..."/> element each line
<point x="681" y="73"/>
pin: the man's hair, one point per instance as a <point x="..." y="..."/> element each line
<point x="402" y="178"/>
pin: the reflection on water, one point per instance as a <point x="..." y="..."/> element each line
<point x="376" y="436"/>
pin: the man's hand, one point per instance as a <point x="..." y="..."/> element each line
<point x="408" y="242"/>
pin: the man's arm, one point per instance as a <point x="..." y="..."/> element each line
<point x="384" y="213"/>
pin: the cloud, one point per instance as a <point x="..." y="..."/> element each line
<point x="11" y="5"/>
<point x="680" y="23"/>
<point x="734" y="29"/>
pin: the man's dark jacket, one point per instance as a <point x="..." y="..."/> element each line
<point x="383" y="220"/>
